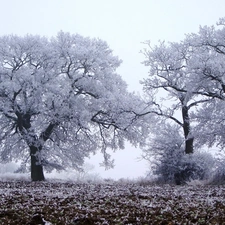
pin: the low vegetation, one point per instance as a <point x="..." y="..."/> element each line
<point x="62" y="203"/>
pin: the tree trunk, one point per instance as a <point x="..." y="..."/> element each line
<point x="24" y="125"/>
<point x="189" y="148"/>
<point x="36" y="168"/>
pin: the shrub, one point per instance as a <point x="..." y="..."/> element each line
<point x="168" y="160"/>
<point x="176" y="167"/>
<point x="219" y="173"/>
<point x="197" y="166"/>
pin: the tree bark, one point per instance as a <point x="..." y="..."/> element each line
<point x="37" y="173"/>
<point x="35" y="144"/>
<point x="189" y="148"/>
<point x="24" y="123"/>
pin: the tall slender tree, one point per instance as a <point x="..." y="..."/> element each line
<point x="168" y="86"/>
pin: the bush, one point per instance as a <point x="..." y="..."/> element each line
<point x="197" y="166"/>
<point x="165" y="166"/>
<point x="219" y="173"/>
<point x="176" y="167"/>
<point x="168" y="160"/>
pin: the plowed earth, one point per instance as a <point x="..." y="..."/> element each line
<point x="46" y="203"/>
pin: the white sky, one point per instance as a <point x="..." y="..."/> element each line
<point x="124" y="24"/>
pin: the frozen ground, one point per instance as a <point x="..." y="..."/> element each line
<point x="86" y="198"/>
<point x="137" y="203"/>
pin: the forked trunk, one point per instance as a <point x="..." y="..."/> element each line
<point x="35" y="144"/>
<point x="36" y="167"/>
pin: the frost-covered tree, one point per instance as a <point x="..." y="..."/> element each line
<point x="186" y="86"/>
<point x="60" y="100"/>
<point x="168" y="88"/>
<point x="208" y="67"/>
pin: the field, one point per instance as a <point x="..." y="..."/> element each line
<point x="28" y="203"/>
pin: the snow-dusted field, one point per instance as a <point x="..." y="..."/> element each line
<point x="24" y="202"/>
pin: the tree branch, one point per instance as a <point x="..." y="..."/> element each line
<point x="45" y="135"/>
